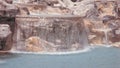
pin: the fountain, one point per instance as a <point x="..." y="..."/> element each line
<point x="50" y="33"/>
<point x="50" y="26"/>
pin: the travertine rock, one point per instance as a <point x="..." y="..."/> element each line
<point x="6" y="33"/>
<point x="52" y="33"/>
<point x="114" y="34"/>
<point x="33" y="9"/>
<point x="78" y="7"/>
<point x="101" y="28"/>
<point x="95" y="31"/>
<point x="105" y="8"/>
<point x="33" y="44"/>
<point x="7" y="8"/>
<point x="117" y="8"/>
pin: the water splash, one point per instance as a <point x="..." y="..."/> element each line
<point x="87" y="49"/>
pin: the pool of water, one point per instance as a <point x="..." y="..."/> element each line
<point x="100" y="57"/>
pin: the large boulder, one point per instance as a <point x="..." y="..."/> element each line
<point x="33" y="44"/>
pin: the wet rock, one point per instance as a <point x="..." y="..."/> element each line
<point x="33" y="44"/>
<point x="102" y="27"/>
<point x="96" y="32"/>
<point x="116" y="45"/>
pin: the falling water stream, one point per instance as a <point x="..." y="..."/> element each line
<point x="105" y="33"/>
<point x="51" y="33"/>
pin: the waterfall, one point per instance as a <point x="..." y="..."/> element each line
<point x="50" y="34"/>
<point x="105" y="30"/>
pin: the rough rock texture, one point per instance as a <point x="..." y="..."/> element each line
<point x="95" y="32"/>
<point x="7" y="26"/>
<point x="50" y="33"/>
<point x="101" y="26"/>
<point x="33" y="9"/>
<point x="33" y="44"/>
<point x="7" y="8"/>
<point x="60" y="7"/>
<point x="78" y="7"/>
<point x="114" y="34"/>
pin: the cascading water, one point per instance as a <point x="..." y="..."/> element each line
<point x="105" y="31"/>
<point x="97" y="33"/>
<point x="106" y="35"/>
<point x="50" y="34"/>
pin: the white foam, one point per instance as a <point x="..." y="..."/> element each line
<point x="107" y="45"/>
<point x="54" y="53"/>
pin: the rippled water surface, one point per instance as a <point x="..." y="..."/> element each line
<point x="100" y="57"/>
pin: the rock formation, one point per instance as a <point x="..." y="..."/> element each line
<point x="58" y="25"/>
<point x="7" y="26"/>
<point x="101" y="27"/>
<point x="7" y="8"/>
<point x="33" y="44"/>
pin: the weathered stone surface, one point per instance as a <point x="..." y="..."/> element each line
<point x="117" y="8"/>
<point x="102" y="26"/>
<point x="33" y="9"/>
<point x="114" y="34"/>
<point x="95" y="31"/>
<point x="59" y="7"/>
<point x="78" y="7"/>
<point x="7" y="8"/>
<point x="33" y="44"/>
<point x="105" y="8"/>
<point x="7" y="26"/>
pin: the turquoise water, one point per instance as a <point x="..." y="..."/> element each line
<point x="100" y="57"/>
